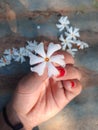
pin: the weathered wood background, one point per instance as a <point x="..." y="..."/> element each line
<point x="18" y="23"/>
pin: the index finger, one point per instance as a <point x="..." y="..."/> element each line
<point x="67" y="57"/>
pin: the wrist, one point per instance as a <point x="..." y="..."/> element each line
<point x="12" y="115"/>
<point x="3" y="125"/>
<point x="14" y="118"/>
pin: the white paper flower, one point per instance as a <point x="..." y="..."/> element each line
<point x="2" y="62"/>
<point x="66" y="42"/>
<point x="81" y="44"/>
<point x="72" y="33"/>
<point x="31" y="45"/>
<point x="64" y="22"/>
<point x="27" y="52"/>
<point x="19" y="55"/>
<point x="9" y="53"/>
<point x="72" y="51"/>
<point x="5" y="60"/>
<point x="46" y="59"/>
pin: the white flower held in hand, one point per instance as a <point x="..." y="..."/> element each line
<point x="46" y="59"/>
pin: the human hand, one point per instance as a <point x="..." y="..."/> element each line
<point x="39" y="98"/>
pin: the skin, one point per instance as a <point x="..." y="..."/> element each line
<point x="38" y="98"/>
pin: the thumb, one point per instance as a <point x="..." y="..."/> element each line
<point x="72" y="88"/>
<point x="31" y="82"/>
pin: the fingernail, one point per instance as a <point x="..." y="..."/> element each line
<point x="70" y="84"/>
<point x="61" y="71"/>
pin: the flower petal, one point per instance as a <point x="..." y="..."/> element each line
<point x="86" y="45"/>
<point x="61" y="19"/>
<point x="76" y="30"/>
<point x="61" y="27"/>
<point x="17" y="59"/>
<point x="31" y="45"/>
<point x="40" y="50"/>
<point x="8" y="57"/>
<point x="59" y="59"/>
<point x="64" y="47"/>
<point x="70" y="30"/>
<point x="52" y="48"/>
<point x="35" y="59"/>
<point x="61" y="38"/>
<point x="72" y="51"/>
<point x="7" y="52"/>
<point x="22" y="59"/>
<point x="39" y="68"/>
<point x="52" y="70"/>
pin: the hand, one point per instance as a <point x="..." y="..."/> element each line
<point x="39" y="98"/>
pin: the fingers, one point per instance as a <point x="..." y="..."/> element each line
<point x="68" y="58"/>
<point x="30" y="80"/>
<point x="31" y="83"/>
<point x="72" y="88"/>
<point x="71" y="72"/>
<point x="65" y="91"/>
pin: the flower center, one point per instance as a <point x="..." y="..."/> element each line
<point x="46" y="59"/>
<point x="72" y="34"/>
<point x="65" y="41"/>
<point x="64" y="24"/>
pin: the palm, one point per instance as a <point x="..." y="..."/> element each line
<point x="41" y="102"/>
<point x="51" y="99"/>
<point x="39" y="98"/>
